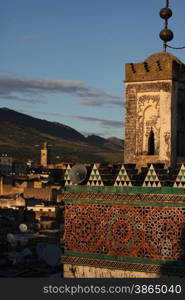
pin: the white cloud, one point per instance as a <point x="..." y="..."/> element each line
<point x="103" y="122"/>
<point x="27" y="100"/>
<point x="90" y="96"/>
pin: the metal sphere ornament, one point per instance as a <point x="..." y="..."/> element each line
<point x="165" y="13"/>
<point x="166" y="35"/>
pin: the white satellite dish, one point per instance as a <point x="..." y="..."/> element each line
<point x="23" y="227"/>
<point x="11" y="238"/>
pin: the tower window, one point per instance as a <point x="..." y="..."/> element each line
<point x="151" y="143"/>
<point x="146" y="67"/>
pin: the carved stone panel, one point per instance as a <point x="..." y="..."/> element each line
<point x="148" y="117"/>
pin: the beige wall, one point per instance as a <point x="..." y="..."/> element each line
<point x="165" y="126"/>
<point x="148" y="105"/>
<point x="75" y="271"/>
<point x="38" y="193"/>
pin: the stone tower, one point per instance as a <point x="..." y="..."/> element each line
<point x="155" y="111"/>
<point x="44" y="155"/>
<point x="1" y="185"/>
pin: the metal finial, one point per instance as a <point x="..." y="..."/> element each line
<point x="166" y="34"/>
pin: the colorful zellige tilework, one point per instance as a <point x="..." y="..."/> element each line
<point x="95" y="178"/>
<point x="151" y="179"/>
<point x="125" y="231"/>
<point x="66" y="175"/>
<point x="180" y="180"/>
<point x="123" y="178"/>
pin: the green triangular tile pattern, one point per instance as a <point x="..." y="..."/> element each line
<point x="66" y="175"/>
<point x="151" y="179"/>
<point x="122" y="179"/>
<point x="180" y="180"/>
<point x="95" y="177"/>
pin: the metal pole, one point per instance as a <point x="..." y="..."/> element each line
<point x="166" y="26"/>
<point x="164" y="46"/>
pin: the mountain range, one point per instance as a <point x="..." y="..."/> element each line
<point x="22" y="136"/>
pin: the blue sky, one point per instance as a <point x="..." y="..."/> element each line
<point x="63" y="60"/>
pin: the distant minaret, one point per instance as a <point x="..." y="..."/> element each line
<point x="1" y="185"/>
<point x="44" y="155"/>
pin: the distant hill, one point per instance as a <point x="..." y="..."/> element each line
<point x="43" y="126"/>
<point x="21" y="136"/>
<point x="111" y="143"/>
<point x="117" y="142"/>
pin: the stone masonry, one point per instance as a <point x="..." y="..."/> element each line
<point x="155" y="90"/>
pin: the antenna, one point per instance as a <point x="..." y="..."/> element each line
<point x="78" y="173"/>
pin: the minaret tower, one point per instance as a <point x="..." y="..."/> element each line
<point x="44" y="155"/>
<point x="155" y="106"/>
<point x="1" y="185"/>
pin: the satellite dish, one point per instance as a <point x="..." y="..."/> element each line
<point x="23" y="227"/>
<point x="78" y="173"/>
<point x="11" y="238"/>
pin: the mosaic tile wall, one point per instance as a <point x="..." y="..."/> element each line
<point x="118" y="225"/>
<point x="126" y="175"/>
